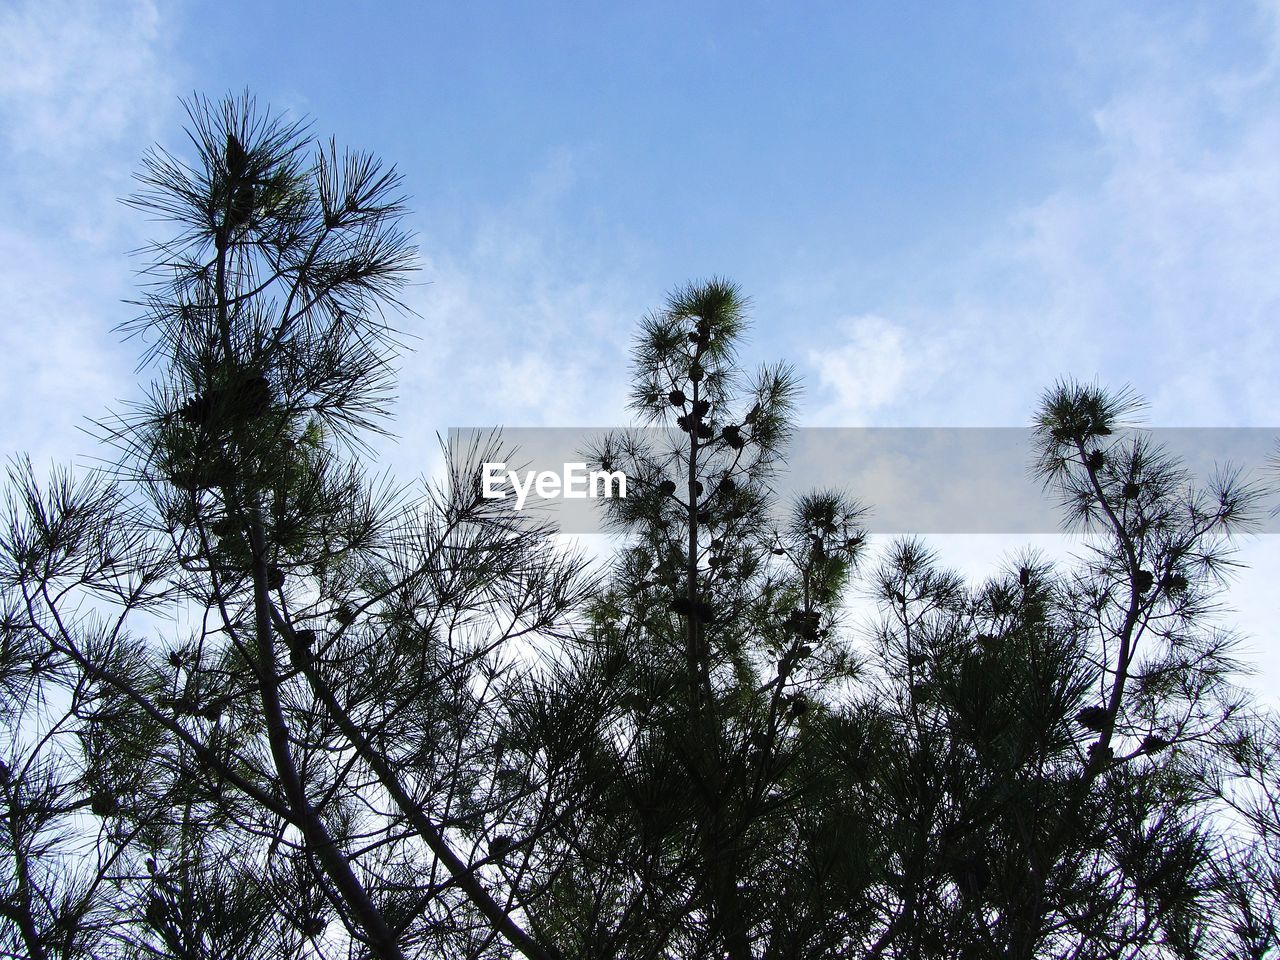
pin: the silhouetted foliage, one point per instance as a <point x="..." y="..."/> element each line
<point x="253" y="689"/>
<point x="258" y="702"/>
<point x="1034" y="766"/>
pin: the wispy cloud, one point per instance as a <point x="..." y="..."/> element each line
<point x="85" y="88"/>
<point x="521" y="322"/>
<point x="78" y="74"/>
<point x="1165" y="265"/>
<point x="1150" y="262"/>
<point x="874" y="368"/>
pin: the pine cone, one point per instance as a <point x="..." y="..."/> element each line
<point x="1093" y="718"/>
<point x="240" y="209"/>
<point x="237" y="158"/>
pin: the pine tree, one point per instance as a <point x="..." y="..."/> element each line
<point x="283" y="673"/>
<point x="703" y="830"/>
<point x="258" y="702"/>
<point x="1058" y="731"/>
<point x="1034" y="766"/>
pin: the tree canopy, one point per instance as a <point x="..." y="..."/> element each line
<point x="261" y="702"/>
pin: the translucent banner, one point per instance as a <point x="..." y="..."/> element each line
<point x="912" y="479"/>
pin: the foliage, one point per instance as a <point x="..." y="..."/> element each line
<point x="258" y="702"/>
<point x="276" y="676"/>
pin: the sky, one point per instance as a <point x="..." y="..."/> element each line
<point x="936" y="209"/>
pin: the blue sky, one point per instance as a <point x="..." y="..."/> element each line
<point x="937" y="209"/>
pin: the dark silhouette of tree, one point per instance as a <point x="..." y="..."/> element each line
<point x="258" y="702"/>
<point x="704" y="662"/>
<point x="1034" y="766"/>
<point x="277" y="676"/>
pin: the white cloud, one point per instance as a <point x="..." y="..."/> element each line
<point x="522" y="322"/>
<point x="1155" y="261"/>
<point x="77" y="74"/>
<point x="1159" y="270"/>
<point x="81" y="96"/>
<point x="1152" y="262"/>
<point x="875" y="369"/>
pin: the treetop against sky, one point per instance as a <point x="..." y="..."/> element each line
<point x="737" y="222"/>
<point x="936" y="212"/>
